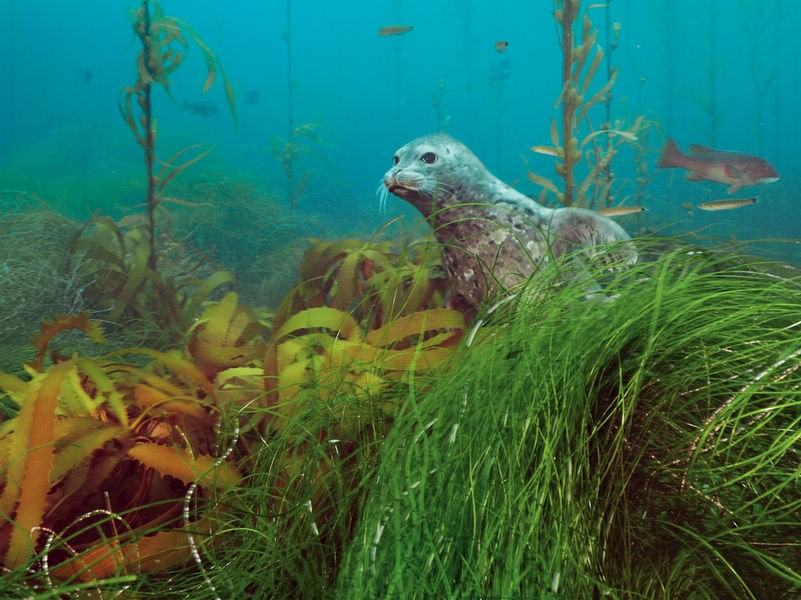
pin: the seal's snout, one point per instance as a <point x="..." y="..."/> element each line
<point x="399" y="182"/>
<point x="390" y="180"/>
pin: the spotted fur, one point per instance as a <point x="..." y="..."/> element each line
<point x="492" y="236"/>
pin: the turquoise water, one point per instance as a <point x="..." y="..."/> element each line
<point x="719" y="73"/>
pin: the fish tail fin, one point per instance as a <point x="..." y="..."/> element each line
<point x="671" y="156"/>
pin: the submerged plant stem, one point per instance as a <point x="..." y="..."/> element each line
<point x="150" y="141"/>
<point x="569" y="12"/>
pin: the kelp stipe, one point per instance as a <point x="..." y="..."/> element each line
<point x="575" y="102"/>
<point x="164" y="43"/>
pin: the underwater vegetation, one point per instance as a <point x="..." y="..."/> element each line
<point x="643" y="446"/>
<point x="159" y="426"/>
<point x="644" y="442"/>
<point x="162" y="304"/>
<point x="288" y="152"/>
<point x="581" y="59"/>
<point x="165" y="436"/>
<point x="164" y="43"/>
<point x="33" y="280"/>
<point x="107" y="460"/>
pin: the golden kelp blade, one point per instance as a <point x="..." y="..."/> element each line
<point x="27" y="478"/>
<point x="621" y="211"/>
<point x="728" y="204"/>
<point x="542" y="181"/>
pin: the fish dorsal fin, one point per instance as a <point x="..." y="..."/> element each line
<point x="699" y="149"/>
<point x="733" y="172"/>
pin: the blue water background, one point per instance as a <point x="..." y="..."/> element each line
<point x="678" y="60"/>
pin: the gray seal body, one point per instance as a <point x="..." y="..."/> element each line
<point x="492" y="236"/>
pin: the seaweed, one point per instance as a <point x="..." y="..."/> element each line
<point x="365" y="314"/>
<point x="162" y="303"/>
<point x="108" y="464"/>
<point x="287" y="151"/>
<point x="323" y="388"/>
<point x="377" y="281"/>
<point x="581" y="60"/>
<point x="164" y="43"/>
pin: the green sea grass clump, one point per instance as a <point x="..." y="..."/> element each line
<point x="641" y="444"/>
<point x="35" y="280"/>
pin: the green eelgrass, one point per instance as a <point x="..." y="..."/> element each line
<point x="641" y="444"/>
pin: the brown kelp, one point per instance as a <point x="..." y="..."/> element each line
<point x="181" y="427"/>
<point x="376" y="281"/>
<point x="288" y="150"/>
<point x="581" y="60"/>
<point x="110" y="465"/>
<point x="164" y="43"/>
<point x="161" y="304"/>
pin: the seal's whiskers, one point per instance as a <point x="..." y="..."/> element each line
<point x="382" y="192"/>
<point x="435" y="188"/>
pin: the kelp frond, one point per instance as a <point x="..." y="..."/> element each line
<point x="164" y="302"/>
<point x="94" y="472"/>
<point x="598" y="146"/>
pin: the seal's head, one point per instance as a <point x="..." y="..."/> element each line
<point x="430" y="171"/>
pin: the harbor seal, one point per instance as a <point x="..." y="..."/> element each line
<point x="492" y="236"/>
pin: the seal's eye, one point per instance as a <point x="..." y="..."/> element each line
<point x="395" y="160"/>
<point x="429" y="158"/>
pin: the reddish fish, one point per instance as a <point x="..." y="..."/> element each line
<point x="732" y="168"/>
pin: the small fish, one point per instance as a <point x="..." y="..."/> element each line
<point x="621" y="211"/>
<point x="687" y="206"/>
<point x="732" y="168"/>
<point x="395" y="29"/>
<point x="727" y="204"/>
<point x="200" y="107"/>
<point x="501" y="46"/>
<point x="546" y="150"/>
